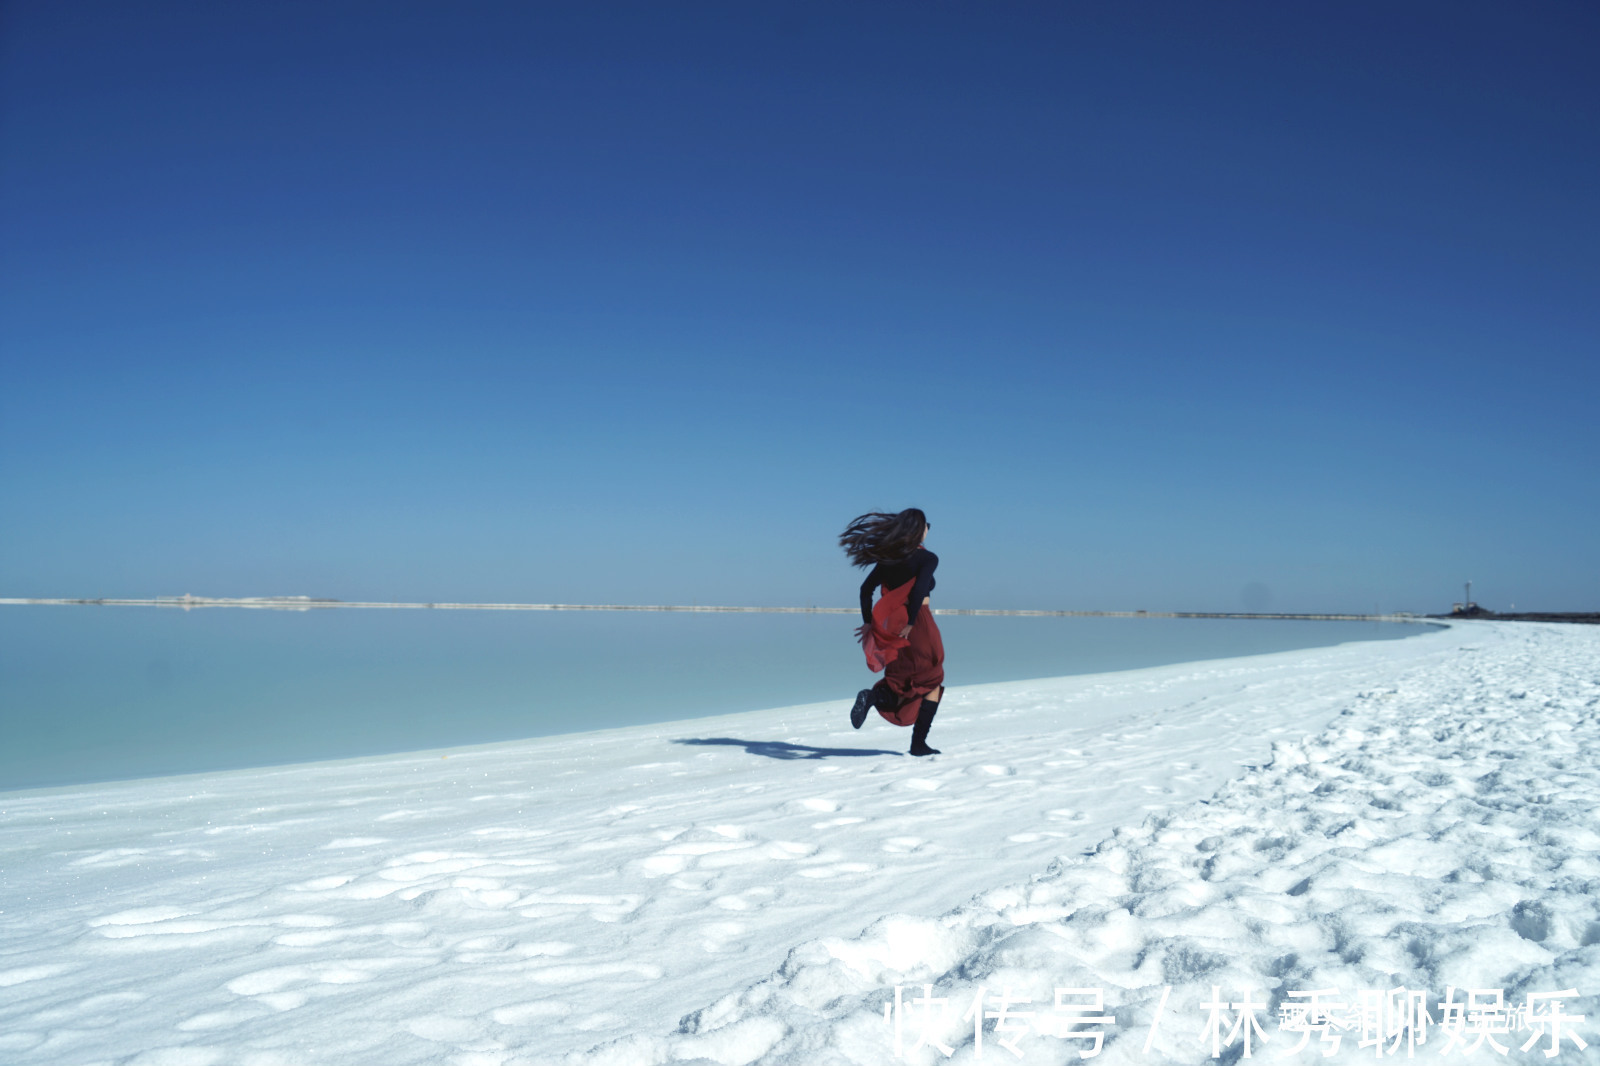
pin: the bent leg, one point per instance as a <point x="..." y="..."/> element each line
<point x="884" y="697"/>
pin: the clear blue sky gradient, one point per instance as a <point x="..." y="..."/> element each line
<point x="1147" y="305"/>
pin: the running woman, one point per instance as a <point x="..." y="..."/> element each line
<point x="899" y="634"/>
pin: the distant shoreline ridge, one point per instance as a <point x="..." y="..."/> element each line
<point x="308" y="603"/>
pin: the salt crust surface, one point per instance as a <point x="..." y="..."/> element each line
<point x="751" y="888"/>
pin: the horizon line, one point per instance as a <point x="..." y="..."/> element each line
<point x="308" y="603"/>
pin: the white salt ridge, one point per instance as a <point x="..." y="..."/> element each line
<point x="572" y="898"/>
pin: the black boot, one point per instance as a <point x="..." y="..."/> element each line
<point x="858" y="713"/>
<point x="919" y="732"/>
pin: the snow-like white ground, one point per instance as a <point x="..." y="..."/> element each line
<point x="1417" y="813"/>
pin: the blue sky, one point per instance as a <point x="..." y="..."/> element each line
<point x="1145" y="304"/>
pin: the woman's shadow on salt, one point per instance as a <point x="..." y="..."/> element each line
<point x="782" y="749"/>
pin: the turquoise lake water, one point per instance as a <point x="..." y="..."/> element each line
<point x="102" y="693"/>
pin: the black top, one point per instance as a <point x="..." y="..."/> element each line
<point x="920" y="564"/>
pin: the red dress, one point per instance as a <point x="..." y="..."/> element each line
<point x="912" y="667"/>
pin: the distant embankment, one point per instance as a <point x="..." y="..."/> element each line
<point x="307" y="603"/>
<point x="1586" y="617"/>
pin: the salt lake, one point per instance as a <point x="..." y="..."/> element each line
<point x="103" y="693"/>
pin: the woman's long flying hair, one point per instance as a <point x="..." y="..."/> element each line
<point x="876" y="537"/>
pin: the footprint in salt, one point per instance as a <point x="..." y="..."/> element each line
<point x="318" y="937"/>
<point x="661" y="865"/>
<point x="277" y="987"/>
<point x="526" y="1013"/>
<point x="903" y="845"/>
<point x="994" y="770"/>
<point x="23" y="974"/>
<point x="423" y="865"/>
<point x="576" y="973"/>
<point x="219" y="1019"/>
<point x="168" y="928"/>
<point x="321" y="884"/>
<point x="751" y="898"/>
<point x="450" y="899"/>
<point x="509" y="833"/>
<point x="837" y="869"/>
<point x="697" y="847"/>
<point x="718" y="937"/>
<point x="445" y="1029"/>
<point x="601" y="908"/>
<point x="789" y="849"/>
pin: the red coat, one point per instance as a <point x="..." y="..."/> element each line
<point x="912" y="667"/>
